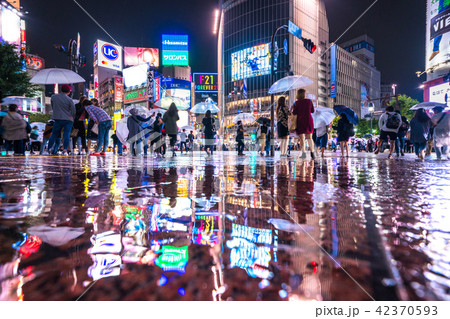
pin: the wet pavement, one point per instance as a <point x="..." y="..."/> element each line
<point x="224" y="228"/>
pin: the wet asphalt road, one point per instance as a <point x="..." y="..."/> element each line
<point x="224" y="228"/>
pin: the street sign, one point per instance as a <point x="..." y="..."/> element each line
<point x="295" y="30"/>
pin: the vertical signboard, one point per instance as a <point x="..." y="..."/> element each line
<point x="118" y="89"/>
<point x="156" y="89"/>
<point x="333" y="71"/>
<point x="437" y="35"/>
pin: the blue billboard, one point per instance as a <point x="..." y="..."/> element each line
<point x="175" y="49"/>
<point x="333" y="71"/>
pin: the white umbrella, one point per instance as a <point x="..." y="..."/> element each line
<point x="245" y="118"/>
<point x="323" y="116"/>
<point x="122" y="130"/>
<point x="56" y="76"/>
<point x="427" y="106"/>
<point x="288" y="83"/>
<point x="203" y="107"/>
<point x="166" y="101"/>
<point x="142" y="110"/>
<point x="40" y="125"/>
<point x="188" y="128"/>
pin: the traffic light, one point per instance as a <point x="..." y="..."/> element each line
<point x="82" y="61"/>
<point x="309" y="45"/>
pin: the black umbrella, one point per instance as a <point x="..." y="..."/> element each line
<point x="263" y="120"/>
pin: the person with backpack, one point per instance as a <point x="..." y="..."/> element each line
<point x="35" y="140"/>
<point x="261" y="133"/>
<point x="183" y="141"/>
<point x="441" y="136"/>
<point x="400" y="141"/>
<point x="344" y="130"/>
<point x="389" y="124"/>
<point x="191" y="138"/>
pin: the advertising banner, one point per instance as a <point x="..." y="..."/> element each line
<point x="364" y="100"/>
<point x="9" y="26"/>
<point x="156" y="89"/>
<point x="437" y="35"/>
<point x="175" y="49"/>
<point x="206" y="82"/>
<point x="250" y="62"/>
<point x="439" y="93"/>
<point x="109" y="55"/>
<point x="333" y="71"/>
<point x="136" y="56"/>
<point x="34" y="62"/>
<point x="135" y="76"/>
<point x="134" y="96"/>
<point x="118" y="89"/>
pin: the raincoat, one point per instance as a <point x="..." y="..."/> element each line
<point x="419" y="130"/>
<point x="15" y="127"/>
<point x="170" y="123"/>
<point x="442" y="130"/>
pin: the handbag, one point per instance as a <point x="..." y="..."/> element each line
<point x="292" y="122"/>
<point x="94" y="129"/>
<point x="74" y="132"/>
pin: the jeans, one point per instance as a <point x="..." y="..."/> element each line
<point x="80" y="140"/>
<point x="400" y="145"/>
<point x="103" y="135"/>
<point x="438" y="150"/>
<point x="240" y="146"/>
<point x="119" y="147"/>
<point x="135" y="148"/>
<point x="418" y="147"/>
<point x="19" y="147"/>
<point x="58" y="126"/>
<point x="185" y="146"/>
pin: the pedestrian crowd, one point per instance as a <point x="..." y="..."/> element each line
<point x="79" y="125"/>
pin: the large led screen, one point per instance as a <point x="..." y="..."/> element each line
<point x="437" y="34"/>
<point x="250" y="62"/>
<point x="10" y="26"/>
<point x="136" y="56"/>
<point x="135" y="76"/>
<point x="175" y="49"/>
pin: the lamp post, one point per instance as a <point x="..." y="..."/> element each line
<point x="371" y="110"/>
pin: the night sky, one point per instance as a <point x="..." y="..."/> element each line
<point x="397" y="26"/>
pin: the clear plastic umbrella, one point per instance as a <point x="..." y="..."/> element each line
<point x="428" y="106"/>
<point x="166" y="101"/>
<point x="21" y="102"/>
<point x="142" y="110"/>
<point x="288" y="83"/>
<point x="56" y="76"/>
<point x="323" y="116"/>
<point x="203" y="107"/>
<point x="245" y="118"/>
<point x="156" y="111"/>
<point x="188" y="128"/>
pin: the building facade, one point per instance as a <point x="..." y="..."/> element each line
<point x="247" y="29"/>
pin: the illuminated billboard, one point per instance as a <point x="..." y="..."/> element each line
<point x="206" y="82"/>
<point x="175" y="49"/>
<point x="135" y="56"/>
<point x="438" y="93"/>
<point x="135" y="76"/>
<point x="9" y="26"/>
<point x="109" y="55"/>
<point x="250" y="62"/>
<point x="437" y="34"/>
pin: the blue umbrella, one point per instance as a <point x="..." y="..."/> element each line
<point x="351" y="115"/>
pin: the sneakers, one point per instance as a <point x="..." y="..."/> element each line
<point x="403" y="154"/>
<point x="303" y="154"/>
<point x="64" y="153"/>
<point x="83" y="152"/>
<point x="390" y="156"/>
<point x="95" y="154"/>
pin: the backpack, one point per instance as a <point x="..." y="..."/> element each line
<point x="393" y="121"/>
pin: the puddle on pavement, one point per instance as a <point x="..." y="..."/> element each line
<point x="223" y="229"/>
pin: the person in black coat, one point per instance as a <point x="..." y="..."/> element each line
<point x="208" y="123"/>
<point x="344" y="130"/>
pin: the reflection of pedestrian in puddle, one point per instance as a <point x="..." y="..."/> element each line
<point x="301" y="190"/>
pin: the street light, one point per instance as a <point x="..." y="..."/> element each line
<point x="371" y="110"/>
<point x="393" y="88"/>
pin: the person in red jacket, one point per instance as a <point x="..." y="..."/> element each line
<point x="303" y="108"/>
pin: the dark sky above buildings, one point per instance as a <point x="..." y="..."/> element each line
<point x="397" y="26"/>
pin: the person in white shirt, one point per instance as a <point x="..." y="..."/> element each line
<point x="183" y="139"/>
<point x="389" y="124"/>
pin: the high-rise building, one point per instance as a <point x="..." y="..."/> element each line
<point x="247" y="29"/>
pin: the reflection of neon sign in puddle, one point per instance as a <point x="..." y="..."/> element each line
<point x="173" y="259"/>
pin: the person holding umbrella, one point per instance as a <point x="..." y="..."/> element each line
<point x="170" y="119"/>
<point x="303" y="108"/>
<point x="283" y="114"/>
<point x="344" y="130"/>
<point x="240" y="138"/>
<point x="420" y="127"/>
<point x="208" y="123"/>
<point x="441" y="137"/>
<point x="64" y="112"/>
